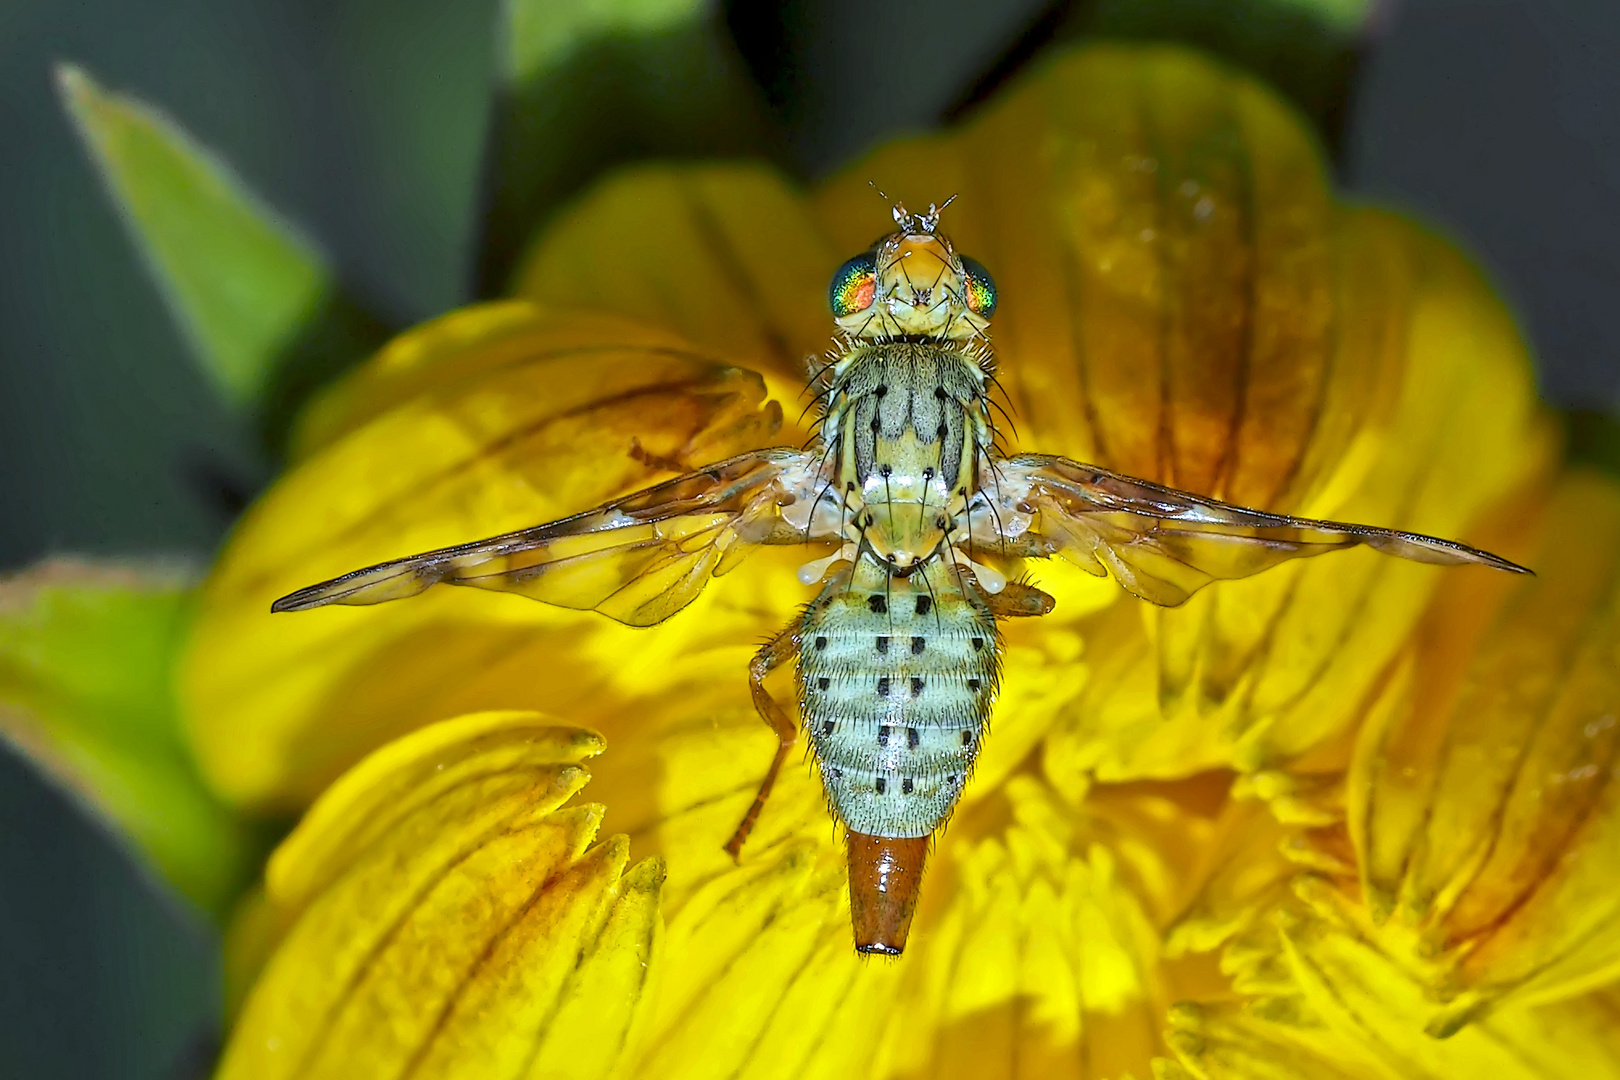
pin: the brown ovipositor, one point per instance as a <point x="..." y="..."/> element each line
<point x="885" y="880"/>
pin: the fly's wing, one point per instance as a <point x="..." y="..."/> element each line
<point x="638" y="559"/>
<point x="1162" y="544"/>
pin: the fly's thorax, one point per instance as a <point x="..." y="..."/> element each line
<point x="896" y="679"/>
<point x="909" y="424"/>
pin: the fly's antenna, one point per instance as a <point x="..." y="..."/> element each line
<point x="926" y="222"/>
<point x="897" y="208"/>
<point x="930" y="221"/>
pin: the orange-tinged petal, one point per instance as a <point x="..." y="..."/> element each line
<point x="1482" y="804"/>
<point x="1455" y="924"/>
<point x="1260" y="672"/>
<point x="451" y="929"/>
<point x="1162" y="235"/>
<point x="477" y="752"/>
<point x="534" y="416"/>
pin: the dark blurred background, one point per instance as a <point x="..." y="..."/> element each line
<point x="365" y="121"/>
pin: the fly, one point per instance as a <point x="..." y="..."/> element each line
<point x="898" y="656"/>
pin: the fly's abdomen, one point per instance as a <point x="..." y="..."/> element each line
<point x="896" y="679"/>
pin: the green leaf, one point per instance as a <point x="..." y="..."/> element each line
<point x="242" y="284"/>
<point x="541" y="33"/>
<point x="589" y="84"/>
<point x="86" y="659"/>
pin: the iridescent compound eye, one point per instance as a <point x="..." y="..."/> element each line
<point x="980" y="288"/>
<point x="853" y="286"/>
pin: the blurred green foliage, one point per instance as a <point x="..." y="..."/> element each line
<point x="238" y="280"/>
<point x="86" y="693"/>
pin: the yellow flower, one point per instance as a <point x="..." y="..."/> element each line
<point x="1254" y="833"/>
<point x="1456" y="911"/>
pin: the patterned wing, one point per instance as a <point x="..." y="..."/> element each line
<point x="1162" y="544"/>
<point x="638" y="559"/>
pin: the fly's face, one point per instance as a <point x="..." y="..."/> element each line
<point x="912" y="284"/>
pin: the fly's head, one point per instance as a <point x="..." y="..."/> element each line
<point x="912" y="284"/>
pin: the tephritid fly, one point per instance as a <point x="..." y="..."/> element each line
<point x="898" y="655"/>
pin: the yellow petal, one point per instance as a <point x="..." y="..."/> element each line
<point x="1035" y="952"/>
<point x="1037" y="940"/>
<point x="1276" y="1041"/>
<point x="493" y="419"/>
<point x="728" y="255"/>
<point x="1482" y="803"/>
<point x="1372" y="1004"/>
<point x="449" y="916"/>
<point x="1239" y="873"/>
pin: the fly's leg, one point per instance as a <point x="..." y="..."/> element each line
<point x="776" y="652"/>
<point x="1018" y="600"/>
